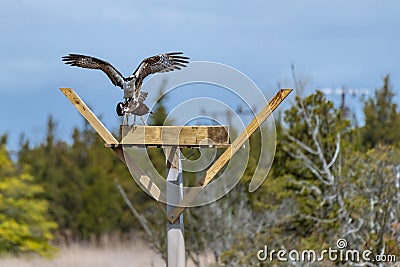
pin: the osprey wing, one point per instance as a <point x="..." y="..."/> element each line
<point x="142" y="96"/>
<point x="159" y="63"/>
<point x="88" y="62"/>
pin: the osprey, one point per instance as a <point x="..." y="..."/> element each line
<point x="131" y="84"/>
<point x="135" y="107"/>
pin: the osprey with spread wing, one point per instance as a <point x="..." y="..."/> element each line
<point x="131" y="84"/>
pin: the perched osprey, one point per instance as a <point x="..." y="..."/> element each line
<point x="135" y="107"/>
<point x="132" y="84"/>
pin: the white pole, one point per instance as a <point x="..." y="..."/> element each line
<point x="175" y="238"/>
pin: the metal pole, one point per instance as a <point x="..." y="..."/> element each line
<point x="175" y="237"/>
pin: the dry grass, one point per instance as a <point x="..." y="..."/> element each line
<point x="132" y="255"/>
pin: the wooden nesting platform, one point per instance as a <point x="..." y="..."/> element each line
<point x="182" y="136"/>
<point x="177" y="136"/>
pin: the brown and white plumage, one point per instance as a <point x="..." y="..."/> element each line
<point x="131" y="84"/>
<point x="136" y="107"/>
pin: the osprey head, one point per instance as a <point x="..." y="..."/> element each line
<point x="120" y="109"/>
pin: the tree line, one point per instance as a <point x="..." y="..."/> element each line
<point x="331" y="179"/>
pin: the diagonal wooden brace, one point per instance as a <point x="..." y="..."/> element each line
<point x="228" y="153"/>
<point x="112" y="142"/>
<point x="85" y="111"/>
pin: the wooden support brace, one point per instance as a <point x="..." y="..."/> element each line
<point x="89" y="116"/>
<point x="112" y="142"/>
<point x="229" y="152"/>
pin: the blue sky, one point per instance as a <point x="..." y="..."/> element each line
<point x="332" y="44"/>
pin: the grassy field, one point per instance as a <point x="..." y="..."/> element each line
<point x="132" y="255"/>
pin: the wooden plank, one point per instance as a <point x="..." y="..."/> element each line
<point x="113" y="143"/>
<point x="229" y="152"/>
<point x="145" y="180"/>
<point x="89" y="116"/>
<point x="182" y="136"/>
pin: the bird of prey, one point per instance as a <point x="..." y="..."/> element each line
<point x="131" y="84"/>
<point x="135" y="107"/>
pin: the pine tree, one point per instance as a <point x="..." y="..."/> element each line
<point x="79" y="183"/>
<point x="382" y="121"/>
<point x="305" y="177"/>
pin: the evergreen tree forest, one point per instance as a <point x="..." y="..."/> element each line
<point x="332" y="178"/>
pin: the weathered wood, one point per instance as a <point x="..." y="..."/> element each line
<point x="113" y="143"/>
<point x="229" y="152"/>
<point x="143" y="178"/>
<point x="182" y="136"/>
<point x="89" y="116"/>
